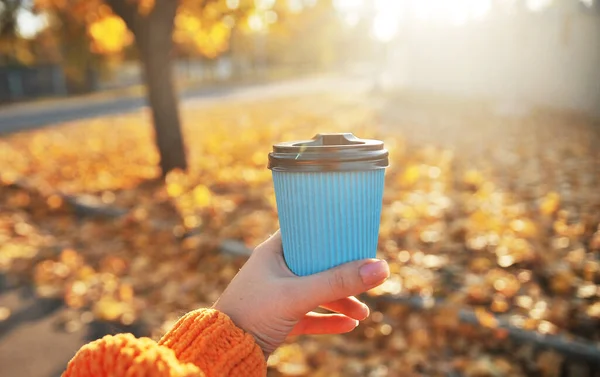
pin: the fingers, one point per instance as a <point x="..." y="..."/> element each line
<point x="316" y="323"/>
<point x="349" y="279"/>
<point x="350" y="307"/>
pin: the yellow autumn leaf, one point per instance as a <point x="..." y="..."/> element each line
<point x="109" y="35"/>
<point x="550" y="203"/>
<point x="174" y="189"/>
<point x="108" y="309"/>
<point x="485" y="318"/>
<point x="202" y="195"/>
<point x="410" y="175"/>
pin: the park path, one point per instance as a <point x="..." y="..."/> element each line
<point x="27" y="116"/>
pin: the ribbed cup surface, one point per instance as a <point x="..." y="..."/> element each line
<point x="328" y="218"/>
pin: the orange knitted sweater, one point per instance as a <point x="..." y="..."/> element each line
<point x="203" y="343"/>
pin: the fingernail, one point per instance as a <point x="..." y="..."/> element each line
<point x="374" y="272"/>
<point x="367" y="312"/>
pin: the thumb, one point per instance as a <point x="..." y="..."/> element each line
<point x="348" y="279"/>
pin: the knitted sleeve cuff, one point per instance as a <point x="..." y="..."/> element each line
<point x="211" y="341"/>
<point x="125" y="355"/>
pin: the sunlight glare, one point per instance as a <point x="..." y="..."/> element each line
<point x="457" y="12"/>
<point x="421" y="10"/>
<point x="387" y="17"/>
<point x="349" y="10"/>
<point x="538" y="5"/>
<point x="388" y="6"/>
<point x="232" y="4"/>
<point x="352" y="19"/>
<point x="433" y="9"/>
<point x="480" y="8"/>
<point x="460" y="12"/>
<point x="295" y="6"/>
<point x="255" y="22"/>
<point x="264" y="4"/>
<point x="271" y="17"/>
<point x="385" y="26"/>
<point x="30" y="24"/>
<point x="347" y="5"/>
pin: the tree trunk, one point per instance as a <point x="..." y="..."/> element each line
<point x="153" y="37"/>
<point x="156" y="62"/>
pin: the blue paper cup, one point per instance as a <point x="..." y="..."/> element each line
<point x="329" y="193"/>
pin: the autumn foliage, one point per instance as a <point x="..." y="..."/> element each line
<point x="498" y="215"/>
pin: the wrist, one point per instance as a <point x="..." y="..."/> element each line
<point x="240" y="321"/>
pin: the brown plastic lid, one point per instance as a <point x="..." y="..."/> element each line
<point x="329" y="152"/>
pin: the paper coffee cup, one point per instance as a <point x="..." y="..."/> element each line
<point x="329" y="193"/>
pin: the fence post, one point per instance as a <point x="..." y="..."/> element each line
<point x="15" y="85"/>
<point x="59" y="87"/>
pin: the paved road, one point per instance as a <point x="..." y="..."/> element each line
<point x="30" y="343"/>
<point x="23" y="117"/>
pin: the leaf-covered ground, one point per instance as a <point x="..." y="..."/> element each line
<point x="494" y="212"/>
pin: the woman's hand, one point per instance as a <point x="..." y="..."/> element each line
<point x="268" y="301"/>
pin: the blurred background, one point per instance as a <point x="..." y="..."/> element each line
<point x="133" y="185"/>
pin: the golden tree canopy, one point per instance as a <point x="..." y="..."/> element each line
<point x="202" y="27"/>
